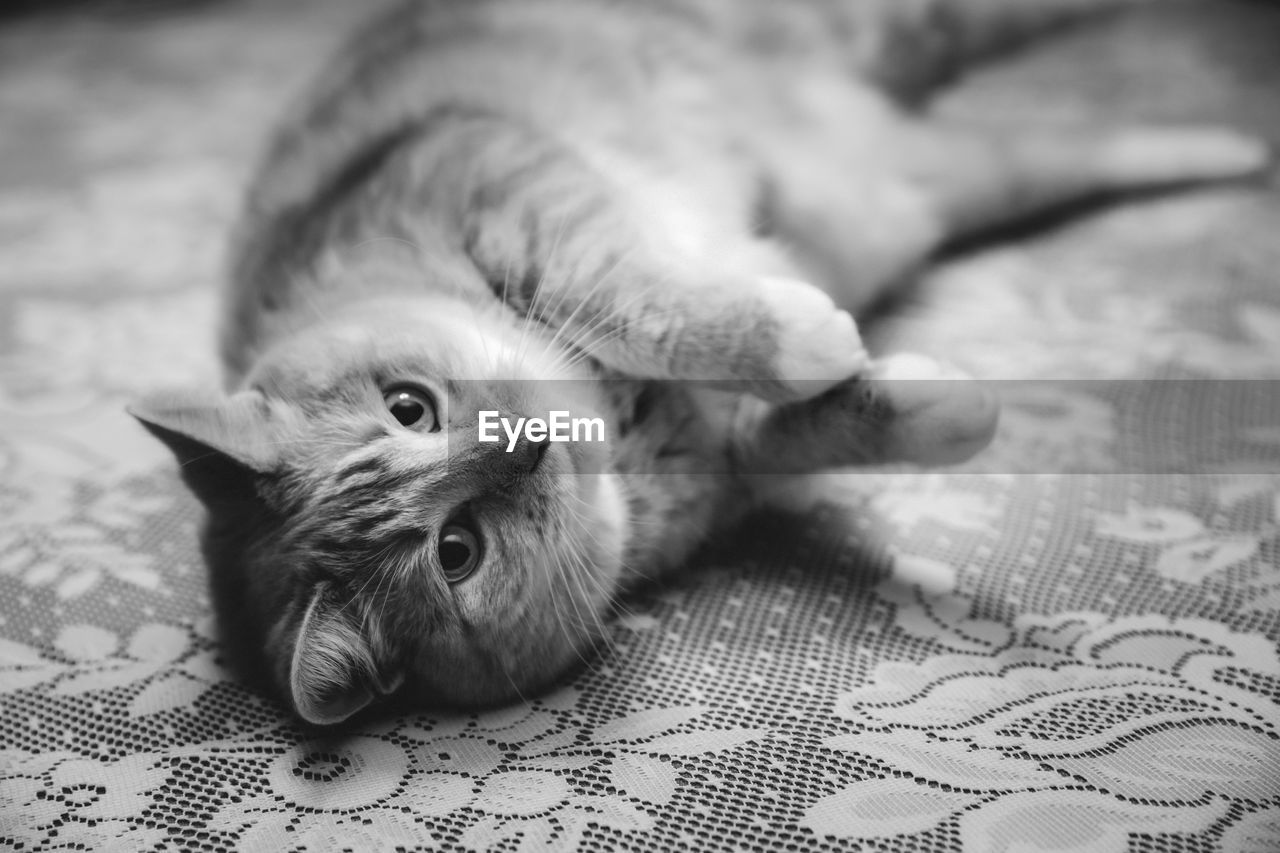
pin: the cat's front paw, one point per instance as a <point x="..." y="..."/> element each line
<point x="816" y="343"/>
<point x="941" y="416"/>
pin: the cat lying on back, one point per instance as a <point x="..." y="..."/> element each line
<point x="482" y="195"/>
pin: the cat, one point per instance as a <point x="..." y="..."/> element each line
<point x="528" y="206"/>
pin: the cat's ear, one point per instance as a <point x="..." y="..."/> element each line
<point x="333" y="674"/>
<point x="220" y="441"/>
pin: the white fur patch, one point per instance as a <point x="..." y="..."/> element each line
<point x="910" y="365"/>
<point x="818" y="343"/>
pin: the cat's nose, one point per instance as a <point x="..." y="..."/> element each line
<point x="527" y="454"/>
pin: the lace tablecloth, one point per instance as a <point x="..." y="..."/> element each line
<point x="1069" y="645"/>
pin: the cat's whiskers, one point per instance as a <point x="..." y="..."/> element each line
<point x="372" y="630"/>
<point x="563" y="339"/>
<point x="565" y="293"/>
<point x="398" y="574"/>
<point x="626" y="569"/>
<point x="564" y="359"/>
<point x="587" y="525"/>
<point x="532" y="311"/>
<point x="380" y="556"/>
<point x="599" y="641"/>
<point x="585" y="575"/>
<point x="622" y="312"/>
<point x="588" y="347"/>
<point x="569" y="570"/>
<point x="565" y="535"/>
<point x="555" y="606"/>
<point x="564" y="326"/>
<point x="480" y="334"/>
<point x="552" y="345"/>
<point x="578" y="572"/>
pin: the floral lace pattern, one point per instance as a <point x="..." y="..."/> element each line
<point x="1071" y="644"/>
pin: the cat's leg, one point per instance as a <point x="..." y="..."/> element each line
<point x="641" y="277"/>
<point x="906" y="408"/>
<point x="738" y="324"/>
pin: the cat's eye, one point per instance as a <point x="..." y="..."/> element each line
<point x="458" y="550"/>
<point x="412" y="407"/>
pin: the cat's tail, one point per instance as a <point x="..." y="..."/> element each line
<point x="987" y="178"/>
<point x="910" y="47"/>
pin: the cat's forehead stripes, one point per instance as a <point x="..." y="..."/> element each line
<point x="367" y="518"/>
<point x="363" y="468"/>
<point x="383" y="467"/>
<point x="360" y="467"/>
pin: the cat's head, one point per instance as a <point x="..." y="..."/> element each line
<point x="362" y="535"/>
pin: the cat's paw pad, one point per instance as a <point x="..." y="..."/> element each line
<point x="816" y="343"/>
<point x="941" y="416"/>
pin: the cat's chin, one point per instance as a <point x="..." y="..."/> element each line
<point x="603" y="493"/>
<point x="600" y="512"/>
